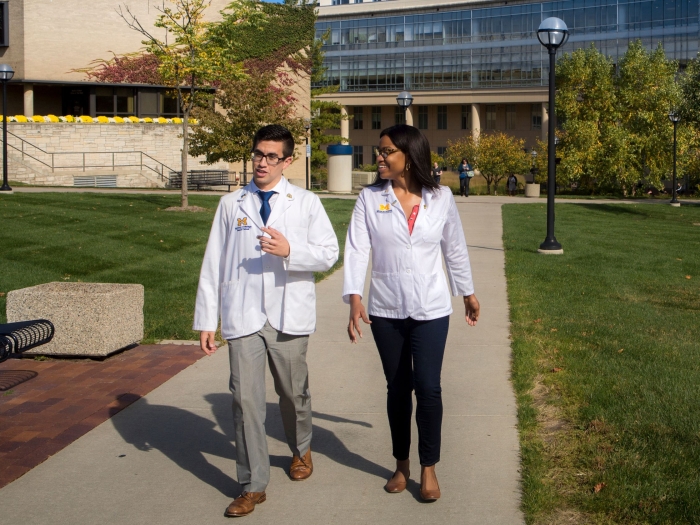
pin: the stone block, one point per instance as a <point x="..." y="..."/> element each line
<point x="91" y="319"/>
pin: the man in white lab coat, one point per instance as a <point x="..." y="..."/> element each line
<point x="266" y="241"/>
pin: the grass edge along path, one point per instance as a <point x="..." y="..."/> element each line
<point x="120" y="238"/>
<point x="606" y="362"/>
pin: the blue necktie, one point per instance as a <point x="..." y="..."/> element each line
<point x="265" y="208"/>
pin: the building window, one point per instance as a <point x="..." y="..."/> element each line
<point x="442" y="117"/>
<point x="110" y="102"/>
<point x="399" y="115"/>
<point x="441" y="150"/>
<point x="536" y="116"/>
<point x="4" y="24"/>
<point x="510" y="116"/>
<point x="357" y="117"/>
<point x="358" y="157"/>
<point x="376" y="117"/>
<point x="491" y="116"/>
<point x="466" y="117"/>
<point x="422" y="117"/>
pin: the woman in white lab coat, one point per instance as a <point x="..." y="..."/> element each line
<point x="407" y="221"/>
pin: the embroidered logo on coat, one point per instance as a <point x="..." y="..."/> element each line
<point x="242" y="224"/>
<point x="384" y="208"/>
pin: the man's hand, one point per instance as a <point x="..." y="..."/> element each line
<point x="207" y="342"/>
<point x="471" y="309"/>
<point x="276" y="243"/>
<point x="357" y="311"/>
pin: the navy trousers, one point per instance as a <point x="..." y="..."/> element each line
<point x="411" y="352"/>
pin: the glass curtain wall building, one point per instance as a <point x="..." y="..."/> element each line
<point x="472" y="66"/>
<point x="492" y="46"/>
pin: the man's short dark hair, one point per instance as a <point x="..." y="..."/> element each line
<point x="276" y="133"/>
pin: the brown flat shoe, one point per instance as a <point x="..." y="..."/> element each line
<point x="429" y="495"/>
<point x="393" y="486"/>
<point x="244" y="504"/>
<point x="301" y="468"/>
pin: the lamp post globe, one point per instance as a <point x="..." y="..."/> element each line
<point x="6" y="74"/>
<point x="404" y="99"/>
<point x="674" y="117"/>
<point x="552" y="34"/>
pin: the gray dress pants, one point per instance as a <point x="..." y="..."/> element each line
<point x="286" y="355"/>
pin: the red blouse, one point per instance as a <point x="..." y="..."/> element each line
<point x="412" y="218"/>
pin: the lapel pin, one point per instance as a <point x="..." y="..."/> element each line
<point x="289" y="195"/>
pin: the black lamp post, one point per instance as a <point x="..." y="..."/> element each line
<point x="404" y="100"/>
<point x="675" y="118"/>
<point x="552" y="34"/>
<point x="6" y="74"/>
<point x="307" y="127"/>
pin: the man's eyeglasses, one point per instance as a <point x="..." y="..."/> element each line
<point x="384" y="152"/>
<point x="271" y="158"/>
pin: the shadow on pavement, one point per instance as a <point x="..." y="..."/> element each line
<point x="184" y="438"/>
<point x="181" y="436"/>
<point x="323" y="442"/>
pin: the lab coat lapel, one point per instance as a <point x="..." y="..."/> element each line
<point x="424" y="210"/>
<point x="249" y="203"/>
<point x="283" y="202"/>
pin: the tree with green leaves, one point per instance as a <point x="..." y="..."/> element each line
<point x="615" y="127"/>
<point x="188" y="58"/>
<point x="243" y="107"/>
<point x="274" y="54"/>
<point x="494" y="155"/>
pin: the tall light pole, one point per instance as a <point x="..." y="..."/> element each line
<point x="405" y="99"/>
<point x="6" y="73"/>
<point x="675" y="118"/>
<point x="307" y="127"/>
<point x="552" y="34"/>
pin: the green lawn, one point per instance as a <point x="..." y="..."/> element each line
<point x="118" y="238"/>
<point x="606" y="342"/>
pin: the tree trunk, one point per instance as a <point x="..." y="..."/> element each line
<point x="185" y="144"/>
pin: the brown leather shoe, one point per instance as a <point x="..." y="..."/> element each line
<point x="429" y="495"/>
<point x="394" y="485"/>
<point x="301" y="467"/>
<point x="244" y="504"/>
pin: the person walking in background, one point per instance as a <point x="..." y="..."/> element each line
<point x="437" y="173"/>
<point x="266" y="241"/>
<point x="465" y="175"/>
<point x="512" y="185"/>
<point x="406" y="221"/>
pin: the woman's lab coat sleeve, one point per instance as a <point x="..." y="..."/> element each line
<point x="454" y="249"/>
<point x="317" y="249"/>
<point x="357" y="248"/>
<point x="206" y="313"/>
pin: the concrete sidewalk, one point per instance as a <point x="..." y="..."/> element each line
<point x="169" y="457"/>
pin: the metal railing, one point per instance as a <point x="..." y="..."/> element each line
<point x="64" y="160"/>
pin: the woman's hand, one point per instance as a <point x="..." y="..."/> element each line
<point x="471" y="309"/>
<point x="357" y="311"/>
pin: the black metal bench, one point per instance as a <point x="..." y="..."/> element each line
<point x="16" y="338"/>
<point x="203" y="178"/>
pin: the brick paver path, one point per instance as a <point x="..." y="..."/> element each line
<point x="69" y="397"/>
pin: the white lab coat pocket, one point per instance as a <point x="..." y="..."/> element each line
<point x="229" y="301"/>
<point x="436" y="295"/>
<point x="299" y="303"/>
<point x="383" y="291"/>
<point x="433" y="229"/>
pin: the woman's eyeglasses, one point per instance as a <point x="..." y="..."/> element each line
<point x="384" y="152"/>
<point x="271" y="158"/>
